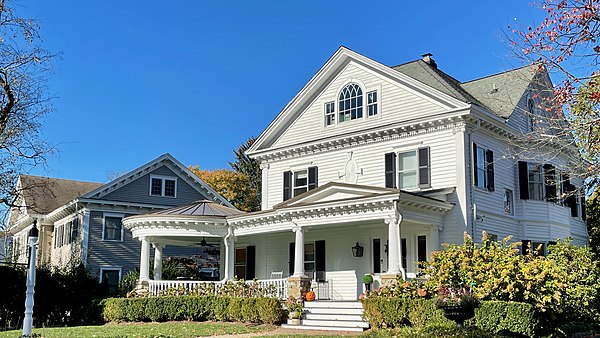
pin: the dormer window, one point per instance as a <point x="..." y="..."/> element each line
<point x="350" y="103"/>
<point x="163" y="186"/>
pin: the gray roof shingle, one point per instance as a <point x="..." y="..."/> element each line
<point x="45" y="194"/>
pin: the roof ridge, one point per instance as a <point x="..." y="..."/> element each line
<point x="499" y="73"/>
<point x="58" y="178"/>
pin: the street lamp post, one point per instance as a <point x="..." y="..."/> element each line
<point x="30" y="282"/>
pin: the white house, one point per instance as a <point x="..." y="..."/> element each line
<point x="369" y="168"/>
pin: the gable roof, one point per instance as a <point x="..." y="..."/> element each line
<point x="42" y="195"/>
<point x="131" y="176"/>
<point x="336" y="63"/>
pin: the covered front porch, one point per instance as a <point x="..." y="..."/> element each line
<point x="317" y="240"/>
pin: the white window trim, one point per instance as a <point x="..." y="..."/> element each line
<point x="365" y="89"/>
<point x="542" y="183"/>
<point x="111" y="268"/>
<point x="378" y="91"/>
<point x="162" y="190"/>
<point x="121" y="216"/>
<point x="416" y="250"/>
<point x="485" y="166"/>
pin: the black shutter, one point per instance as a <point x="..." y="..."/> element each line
<point x="313" y="177"/>
<point x="550" y="182"/>
<point x="525" y="247"/>
<point x="571" y="199"/>
<point x="75" y="230"/>
<point x="489" y="159"/>
<point x="583" y="216"/>
<point x="390" y="170"/>
<point x="523" y="181"/>
<point x="250" y="262"/>
<point x="320" y="260"/>
<point x="291" y="262"/>
<point x="424" y="168"/>
<point x="287" y="185"/>
<point x="376" y="255"/>
<point x="475" y="173"/>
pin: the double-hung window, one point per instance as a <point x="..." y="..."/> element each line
<point x="508" y="202"/>
<point x="299" y="181"/>
<point x="372" y="103"/>
<point x="163" y="186"/>
<point x="408" y="169"/>
<point x="483" y="167"/>
<point x="329" y="113"/>
<point x="113" y="228"/>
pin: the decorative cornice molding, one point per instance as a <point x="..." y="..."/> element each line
<point x="367" y="137"/>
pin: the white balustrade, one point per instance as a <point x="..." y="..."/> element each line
<point x="156" y="287"/>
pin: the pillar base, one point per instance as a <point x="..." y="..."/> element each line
<point x="389" y="278"/>
<point x="142" y="287"/>
<point x="298" y="286"/>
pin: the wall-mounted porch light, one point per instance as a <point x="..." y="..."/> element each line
<point x="357" y="250"/>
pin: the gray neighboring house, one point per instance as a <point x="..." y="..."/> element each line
<point x="81" y="221"/>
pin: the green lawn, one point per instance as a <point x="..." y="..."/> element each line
<point x="146" y="330"/>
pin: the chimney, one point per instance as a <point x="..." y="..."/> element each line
<point x="428" y="60"/>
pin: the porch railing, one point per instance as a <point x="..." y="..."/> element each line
<point x="277" y="287"/>
<point x="155" y="287"/>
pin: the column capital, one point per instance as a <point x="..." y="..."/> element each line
<point x="438" y="227"/>
<point x="296" y="227"/>
<point x="158" y="246"/>
<point x="265" y="165"/>
<point x="391" y="219"/>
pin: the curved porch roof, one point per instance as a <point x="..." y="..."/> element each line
<point x="202" y="218"/>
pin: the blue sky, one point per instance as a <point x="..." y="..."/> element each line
<point x="196" y="79"/>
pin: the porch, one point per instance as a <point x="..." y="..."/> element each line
<point x="304" y="243"/>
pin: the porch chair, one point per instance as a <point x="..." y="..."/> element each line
<point x="276" y="274"/>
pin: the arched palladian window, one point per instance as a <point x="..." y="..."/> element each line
<point x="350" y="103"/>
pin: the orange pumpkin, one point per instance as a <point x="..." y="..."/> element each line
<point x="310" y="296"/>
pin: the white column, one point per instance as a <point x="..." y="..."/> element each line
<point x="228" y="241"/>
<point x="435" y="238"/>
<point x="30" y="286"/>
<point x="145" y="260"/>
<point x="299" y="251"/>
<point x="264" y="205"/>
<point x="158" y="251"/>
<point x="393" y="245"/>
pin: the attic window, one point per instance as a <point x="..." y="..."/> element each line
<point x="163" y="186"/>
<point x="350" y="103"/>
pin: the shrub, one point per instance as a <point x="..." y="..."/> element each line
<point x="269" y="310"/>
<point x="114" y="310"/>
<point x="127" y="283"/>
<point x="507" y="318"/>
<point x="250" y="313"/>
<point x="234" y="310"/>
<point x="249" y="310"/>
<point x="496" y="271"/>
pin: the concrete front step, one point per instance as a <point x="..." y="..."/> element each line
<point x="335" y="323"/>
<point x="333" y="311"/>
<point x="333" y="304"/>
<point x="333" y="317"/>
<point x="323" y="328"/>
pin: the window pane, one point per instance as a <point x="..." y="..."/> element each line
<point x="408" y="161"/>
<point x="240" y="271"/>
<point x="170" y="188"/>
<point x="111" y="278"/>
<point x="422" y="248"/>
<point x="240" y="256"/>
<point x="408" y="179"/>
<point x="156" y="187"/>
<point x="112" y="228"/>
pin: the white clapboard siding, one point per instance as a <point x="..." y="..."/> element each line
<point x="396" y="104"/>
<point x="370" y="159"/>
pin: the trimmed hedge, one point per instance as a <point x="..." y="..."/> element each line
<point x="493" y="316"/>
<point x="198" y="308"/>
